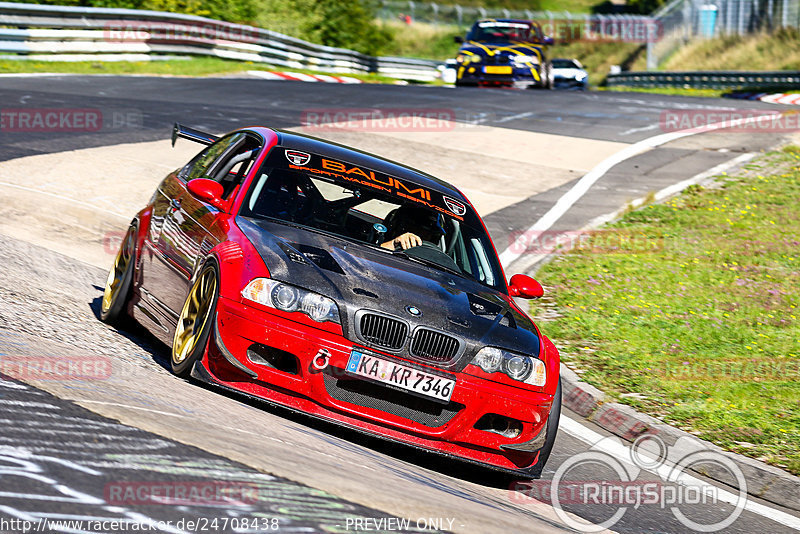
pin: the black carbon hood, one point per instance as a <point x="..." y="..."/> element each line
<point x="361" y="277"/>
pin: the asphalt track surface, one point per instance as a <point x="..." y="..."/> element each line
<point x="61" y="459"/>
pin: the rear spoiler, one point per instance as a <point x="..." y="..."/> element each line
<point x="179" y="130"/>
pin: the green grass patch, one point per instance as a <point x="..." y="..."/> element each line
<point x="195" y="66"/>
<point x="692" y="306"/>
<point x="779" y="50"/>
<point x="420" y="40"/>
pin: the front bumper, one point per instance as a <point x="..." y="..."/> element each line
<point x="559" y="81"/>
<point x="475" y="73"/>
<point x="374" y="408"/>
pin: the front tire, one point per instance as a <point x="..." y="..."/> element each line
<point x="117" y="292"/>
<point x="195" y="321"/>
<point x="552" y="431"/>
<point x="548" y="81"/>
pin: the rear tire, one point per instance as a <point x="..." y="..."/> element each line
<point x="117" y="292"/>
<point x="195" y="321"/>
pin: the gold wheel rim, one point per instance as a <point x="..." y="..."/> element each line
<point x="116" y="275"/>
<point x="194" y="316"/>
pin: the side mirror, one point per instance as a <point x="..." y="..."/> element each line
<point x="548" y="41"/>
<point x="207" y="190"/>
<point x="523" y="286"/>
<point x="458" y="39"/>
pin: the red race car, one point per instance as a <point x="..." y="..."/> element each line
<point x="344" y="286"/>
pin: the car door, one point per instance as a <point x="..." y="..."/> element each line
<point x="185" y="233"/>
<point x="198" y="222"/>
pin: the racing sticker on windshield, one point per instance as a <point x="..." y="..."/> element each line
<point x="455" y="206"/>
<point x="297" y="157"/>
<point x="403" y="188"/>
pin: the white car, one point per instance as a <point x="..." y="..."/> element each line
<point x="569" y="73"/>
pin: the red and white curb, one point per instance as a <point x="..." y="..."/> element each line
<point x="792" y="99"/>
<point x="300" y="77"/>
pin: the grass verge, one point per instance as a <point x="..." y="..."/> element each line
<point x="779" y="50"/>
<point x="195" y="66"/>
<point x="700" y="328"/>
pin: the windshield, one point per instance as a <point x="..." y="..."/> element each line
<point x="501" y="31"/>
<point x="564" y="64"/>
<point x="369" y="207"/>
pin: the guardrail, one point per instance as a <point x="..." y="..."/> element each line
<point x="707" y="79"/>
<point x="50" y="32"/>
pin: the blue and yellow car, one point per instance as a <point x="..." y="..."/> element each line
<point x="504" y="52"/>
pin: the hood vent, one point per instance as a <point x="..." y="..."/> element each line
<point x="508" y="320"/>
<point x="364" y="293"/>
<point x="304" y="254"/>
<point x="483" y="307"/>
<point x="293" y="255"/>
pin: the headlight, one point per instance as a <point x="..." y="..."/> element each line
<point x="289" y="298"/>
<point x="581" y="76"/>
<point x="472" y="59"/>
<point x="460" y="58"/>
<point x="520" y="367"/>
<point x="489" y="359"/>
<point x="525" y="59"/>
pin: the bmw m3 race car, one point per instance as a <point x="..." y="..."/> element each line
<point x="344" y="286"/>
<point x="507" y="52"/>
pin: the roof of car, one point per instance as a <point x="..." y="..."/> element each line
<point x="307" y="143"/>
<point x="518" y="21"/>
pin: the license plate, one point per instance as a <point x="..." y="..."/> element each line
<point x="401" y="376"/>
<point x="489" y="69"/>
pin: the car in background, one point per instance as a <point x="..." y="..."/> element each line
<point x="569" y="73"/>
<point x="280" y="267"/>
<point x="504" y="52"/>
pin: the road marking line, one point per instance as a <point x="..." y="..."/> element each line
<point x="67" y="199"/>
<point x="582" y="186"/>
<point x="642" y="129"/>
<point x="79" y="401"/>
<point x="672" y="189"/>
<point x="514" y="117"/>
<point x="622" y="453"/>
<point x="660" y="195"/>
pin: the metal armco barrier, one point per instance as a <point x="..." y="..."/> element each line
<point x="707" y="79"/>
<point x="51" y="32"/>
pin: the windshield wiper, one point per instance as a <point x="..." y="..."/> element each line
<point x="427" y="262"/>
